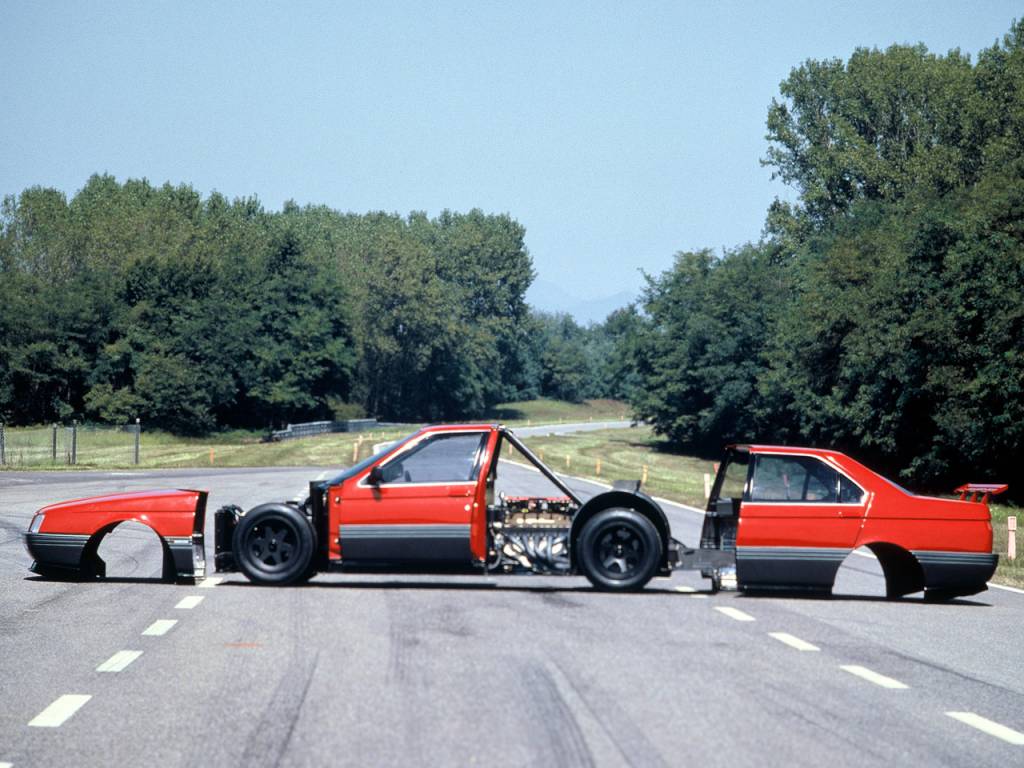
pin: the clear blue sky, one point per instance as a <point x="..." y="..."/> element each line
<point x="616" y="133"/>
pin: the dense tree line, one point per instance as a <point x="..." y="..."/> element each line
<point x="883" y="312"/>
<point x="134" y="300"/>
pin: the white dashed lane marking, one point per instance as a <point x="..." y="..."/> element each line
<point x="159" y="627"/>
<point x="6" y="765"/>
<point x="210" y="583"/>
<point x="187" y="603"/>
<point x="118" y="661"/>
<point x="872" y="677"/>
<point x="691" y="592"/>
<point x="990" y="727"/>
<point x="57" y="713"/>
<point x="793" y="641"/>
<point x="734" y="613"/>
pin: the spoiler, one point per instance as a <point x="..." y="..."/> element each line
<point x="985" y="489"/>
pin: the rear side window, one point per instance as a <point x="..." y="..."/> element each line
<point x="801" y="478"/>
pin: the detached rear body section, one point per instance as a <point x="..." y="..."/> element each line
<point x="793" y="515"/>
<point x="64" y="538"/>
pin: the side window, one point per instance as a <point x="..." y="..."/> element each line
<point x="849" y="492"/>
<point x="794" y="478"/>
<point x="734" y="479"/>
<point x="439" y="459"/>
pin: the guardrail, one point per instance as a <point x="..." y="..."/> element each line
<point x="310" y="428"/>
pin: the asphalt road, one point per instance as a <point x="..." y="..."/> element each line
<point x="424" y="670"/>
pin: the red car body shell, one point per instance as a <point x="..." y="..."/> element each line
<point x="66" y="539"/>
<point x="781" y="544"/>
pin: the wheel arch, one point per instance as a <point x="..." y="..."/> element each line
<point x="91" y="565"/>
<point x="903" y="572"/>
<point x="638" y="502"/>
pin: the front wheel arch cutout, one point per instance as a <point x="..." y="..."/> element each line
<point x="903" y="573"/>
<point x="92" y="566"/>
<point x="610" y="500"/>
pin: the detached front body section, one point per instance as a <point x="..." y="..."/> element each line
<point x="799" y="512"/>
<point x="63" y="539"/>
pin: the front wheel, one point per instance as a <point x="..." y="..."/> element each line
<point x="619" y="549"/>
<point x="274" y="544"/>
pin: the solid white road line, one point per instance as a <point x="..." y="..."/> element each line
<point x="6" y="765"/>
<point x="210" y="582"/>
<point x="688" y="590"/>
<point x="63" y="708"/>
<point x="990" y="727"/>
<point x="159" y="627"/>
<point x="873" y="677"/>
<point x="1006" y="588"/>
<point x="118" y="661"/>
<point x="187" y="603"/>
<point x="793" y="641"/>
<point x="734" y="613"/>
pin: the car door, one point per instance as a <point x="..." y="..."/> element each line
<point x="421" y="507"/>
<point x="799" y="520"/>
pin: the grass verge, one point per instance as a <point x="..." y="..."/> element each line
<point x="544" y="411"/>
<point x="623" y="454"/>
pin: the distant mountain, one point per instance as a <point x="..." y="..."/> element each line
<point x="549" y="297"/>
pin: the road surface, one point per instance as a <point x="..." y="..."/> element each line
<point x="475" y="670"/>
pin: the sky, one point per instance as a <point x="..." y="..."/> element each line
<point x="616" y="133"/>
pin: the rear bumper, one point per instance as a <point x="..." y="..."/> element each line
<point x="959" y="573"/>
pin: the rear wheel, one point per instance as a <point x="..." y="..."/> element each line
<point x="274" y="545"/>
<point x="619" y="549"/>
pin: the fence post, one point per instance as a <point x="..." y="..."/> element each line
<point x="138" y="434"/>
<point x="3" y="444"/>
<point x="707" y="486"/>
<point x="53" y="443"/>
<point x="1011" y="537"/>
<point x="597" y="467"/>
<point x="74" y="441"/>
<point x="643" y="476"/>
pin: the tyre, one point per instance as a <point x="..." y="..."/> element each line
<point x="619" y="549"/>
<point x="274" y="544"/>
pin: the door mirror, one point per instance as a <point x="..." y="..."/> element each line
<point x="376" y="476"/>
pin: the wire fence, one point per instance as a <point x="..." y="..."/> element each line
<point x="69" y="445"/>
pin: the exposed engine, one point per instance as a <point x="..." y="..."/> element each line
<point x="530" y="534"/>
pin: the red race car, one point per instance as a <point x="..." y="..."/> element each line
<point x="783" y="518"/>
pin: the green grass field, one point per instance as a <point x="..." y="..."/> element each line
<point x="544" y="411"/>
<point x="623" y="454"/>
<point x="111" y="448"/>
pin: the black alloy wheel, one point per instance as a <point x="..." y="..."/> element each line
<point x="274" y="544"/>
<point x="619" y="549"/>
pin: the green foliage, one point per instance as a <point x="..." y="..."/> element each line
<point x="132" y="300"/>
<point x="885" y="313"/>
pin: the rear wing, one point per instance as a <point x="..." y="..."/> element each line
<point x="984" y="489"/>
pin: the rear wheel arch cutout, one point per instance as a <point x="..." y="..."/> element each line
<point x="903" y="573"/>
<point x="618" y="500"/>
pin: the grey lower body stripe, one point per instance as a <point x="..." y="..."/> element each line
<point x="405" y="531"/>
<point x="792" y="553"/>
<point x="935" y="557"/>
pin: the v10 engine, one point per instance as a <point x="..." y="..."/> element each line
<point x="530" y="535"/>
